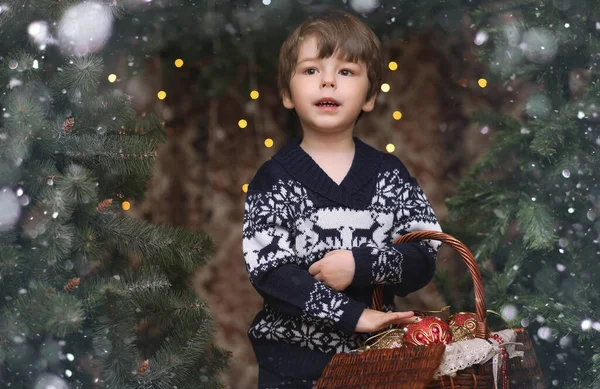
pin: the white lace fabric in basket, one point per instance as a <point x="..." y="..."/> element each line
<point x="466" y="353"/>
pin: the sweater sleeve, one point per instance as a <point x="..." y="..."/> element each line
<point x="406" y="267"/>
<point x="272" y="265"/>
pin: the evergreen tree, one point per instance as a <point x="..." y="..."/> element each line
<point x="531" y="204"/>
<point x="235" y="43"/>
<point x="89" y="297"/>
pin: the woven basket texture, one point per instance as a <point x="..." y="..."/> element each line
<point x="392" y="368"/>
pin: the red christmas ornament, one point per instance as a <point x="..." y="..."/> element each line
<point x="463" y="325"/>
<point x="427" y="331"/>
<point x="464" y="319"/>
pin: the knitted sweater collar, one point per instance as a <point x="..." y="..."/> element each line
<point x="301" y="166"/>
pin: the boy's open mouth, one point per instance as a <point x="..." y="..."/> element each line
<point x="328" y="102"/>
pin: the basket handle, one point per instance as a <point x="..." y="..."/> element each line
<point x="481" y="329"/>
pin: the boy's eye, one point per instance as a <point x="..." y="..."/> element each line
<point x="346" y="72"/>
<point x="310" y="71"/>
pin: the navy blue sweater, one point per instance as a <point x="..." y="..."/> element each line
<point x="294" y="214"/>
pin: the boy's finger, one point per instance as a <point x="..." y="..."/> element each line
<point x="398" y="318"/>
<point x="314" y="268"/>
<point x="318" y="277"/>
<point x="329" y="253"/>
<point x="409" y="320"/>
<point x="389" y="319"/>
<point x="404" y="315"/>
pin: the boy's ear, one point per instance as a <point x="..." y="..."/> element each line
<point x="287" y="100"/>
<point x="370" y="103"/>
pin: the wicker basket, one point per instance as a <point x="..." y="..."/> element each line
<point x="378" y="369"/>
<point x="413" y="367"/>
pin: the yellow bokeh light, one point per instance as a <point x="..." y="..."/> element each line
<point x="254" y="95"/>
<point x="269" y="142"/>
<point x="390" y="148"/>
<point x="125" y="205"/>
<point x="397" y="115"/>
<point x="178" y="62"/>
<point x="243" y="123"/>
<point x="393" y="66"/>
<point x="245" y="188"/>
<point x="482" y="82"/>
<point x="112" y="77"/>
<point x="162" y="95"/>
<point x="385" y="88"/>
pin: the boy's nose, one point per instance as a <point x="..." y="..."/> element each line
<point x="328" y="83"/>
<point x="328" y="80"/>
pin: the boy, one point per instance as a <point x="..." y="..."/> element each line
<point x="321" y="215"/>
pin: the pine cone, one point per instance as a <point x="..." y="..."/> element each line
<point x="104" y="205"/>
<point x="72" y="284"/>
<point x="579" y="82"/>
<point x="67" y="125"/>
<point x="50" y="292"/>
<point x="143" y="367"/>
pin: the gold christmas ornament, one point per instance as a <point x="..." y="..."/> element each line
<point x="461" y="333"/>
<point x="463" y="326"/>
<point x="387" y="339"/>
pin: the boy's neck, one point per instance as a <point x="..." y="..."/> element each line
<point x="336" y="143"/>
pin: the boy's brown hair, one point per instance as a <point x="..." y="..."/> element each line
<point x="335" y="31"/>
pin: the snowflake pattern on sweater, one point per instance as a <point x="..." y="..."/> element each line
<point x="286" y="229"/>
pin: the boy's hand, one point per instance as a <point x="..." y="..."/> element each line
<point x="335" y="269"/>
<point x="371" y="320"/>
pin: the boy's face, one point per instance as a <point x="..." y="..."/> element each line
<point x="327" y="93"/>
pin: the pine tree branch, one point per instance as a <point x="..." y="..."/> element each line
<point x="78" y="186"/>
<point x="142" y="285"/>
<point x="536" y="223"/>
<point x="39" y="174"/>
<point x="130" y="156"/>
<point x="13" y="268"/>
<point x="493" y="239"/>
<point x="105" y="115"/>
<point x="509" y="140"/>
<point x="171" y="248"/>
<point x="44" y="311"/>
<point x="9" y="173"/>
<point x="55" y="241"/>
<point x="78" y="80"/>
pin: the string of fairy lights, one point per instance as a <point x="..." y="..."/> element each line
<point x="268" y="142"/>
